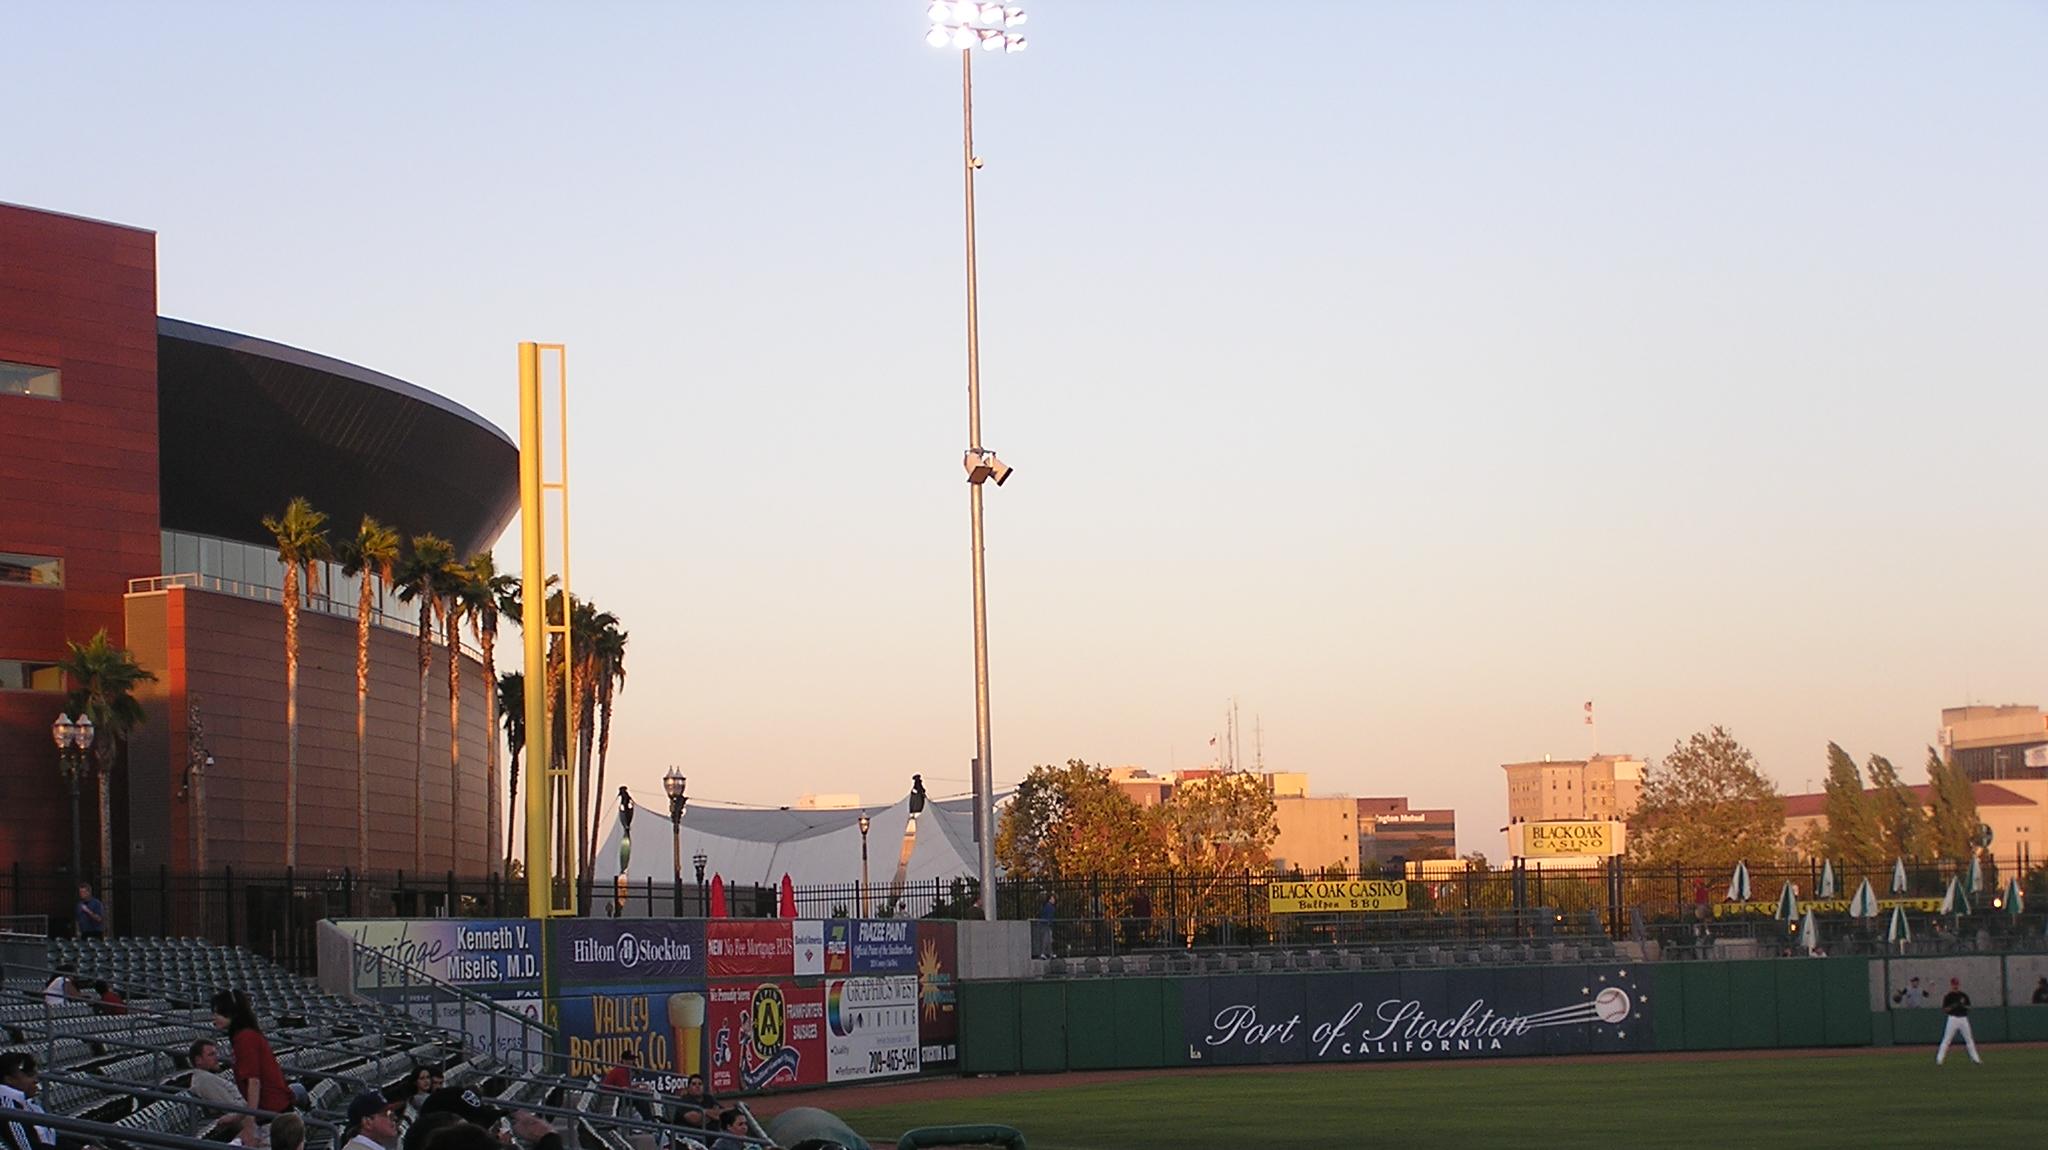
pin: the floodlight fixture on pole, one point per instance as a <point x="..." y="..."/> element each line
<point x="966" y="25"/>
<point x="864" y="822"/>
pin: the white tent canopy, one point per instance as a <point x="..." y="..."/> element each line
<point x="758" y="845"/>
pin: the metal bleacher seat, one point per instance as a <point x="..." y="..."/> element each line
<point x="165" y="1117"/>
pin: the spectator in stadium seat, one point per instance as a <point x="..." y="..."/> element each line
<point x="61" y="989"/>
<point x="463" y="1136"/>
<point x="288" y="1132"/>
<point x="372" y="1122"/>
<point x="257" y="1074"/>
<point x="733" y="1126"/>
<point x="90" y="913"/>
<point x="423" y="1128"/>
<point x="19" y="1081"/>
<point x="620" y="1077"/>
<point x="206" y="1083"/>
<point x="110" y="1001"/>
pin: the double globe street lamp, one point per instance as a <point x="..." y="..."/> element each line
<point x="74" y="760"/>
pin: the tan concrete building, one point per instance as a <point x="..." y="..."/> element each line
<point x="1315" y="833"/>
<point x="1602" y="787"/>
<point x="2016" y="810"/>
<point x="1992" y="744"/>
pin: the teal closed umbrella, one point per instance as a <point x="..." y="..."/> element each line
<point x="1809" y="934"/>
<point x="1738" y="884"/>
<point x="1864" y="904"/>
<point x="2015" y="902"/>
<point x="1788" y="903"/>
<point x="1899" y="876"/>
<point x="1897" y="930"/>
<point x="1955" y="900"/>
<point x="1827" y="880"/>
<point x="1976" y="882"/>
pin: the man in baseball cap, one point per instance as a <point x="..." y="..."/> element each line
<point x="373" y="1121"/>
<point x="463" y="1102"/>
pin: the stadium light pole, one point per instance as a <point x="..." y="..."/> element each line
<point x="864" y="823"/>
<point x="969" y="26"/>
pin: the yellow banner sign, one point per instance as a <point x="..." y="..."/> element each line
<point x="1560" y="839"/>
<point x="1826" y="906"/>
<point x="1322" y="896"/>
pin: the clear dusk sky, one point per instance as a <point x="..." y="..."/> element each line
<point x="1411" y="372"/>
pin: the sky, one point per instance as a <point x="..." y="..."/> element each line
<point x="1410" y="373"/>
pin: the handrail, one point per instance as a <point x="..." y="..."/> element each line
<point x="159" y="1094"/>
<point x="316" y="601"/>
<point x="103" y="1133"/>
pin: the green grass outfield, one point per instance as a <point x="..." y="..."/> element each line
<point x="1891" y="1097"/>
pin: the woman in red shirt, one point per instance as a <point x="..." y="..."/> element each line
<point x="257" y="1074"/>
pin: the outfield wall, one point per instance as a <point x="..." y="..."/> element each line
<point x="1358" y="1016"/>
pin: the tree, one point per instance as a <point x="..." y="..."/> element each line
<point x="512" y="712"/>
<point x="1707" y="805"/>
<point x="1216" y="829"/>
<point x="483" y="592"/>
<point x="1952" y="824"/>
<point x="454" y="608"/>
<point x="1852" y="835"/>
<point x="608" y="676"/>
<point x="301" y="546"/>
<point x="373" y="556"/>
<point x="423" y="578"/>
<point x="1073" y="822"/>
<point x="105" y="678"/>
<point x="1901" y="824"/>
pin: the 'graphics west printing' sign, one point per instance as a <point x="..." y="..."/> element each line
<point x="1325" y="896"/>
<point x="1422" y="1014"/>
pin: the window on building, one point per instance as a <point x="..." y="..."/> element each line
<point x="26" y="675"/>
<point x="30" y="379"/>
<point x="31" y="570"/>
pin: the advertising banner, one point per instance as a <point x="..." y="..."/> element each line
<point x="838" y="946"/>
<point x="765" y="1036"/>
<point x="463" y="951"/>
<point x="938" y="993"/>
<point x="871" y="1027"/>
<point x="1387" y="1016"/>
<point x="663" y="1026"/>
<point x="1324" y="896"/>
<point x="885" y="946"/>
<point x="1565" y="838"/>
<point x="749" y="948"/>
<point x="808" y="936"/>
<point x="1826" y="906"/>
<point x="631" y="951"/>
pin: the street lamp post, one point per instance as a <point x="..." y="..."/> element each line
<point x="74" y="759"/>
<point x="674" y="784"/>
<point x="863" y="866"/>
<point x="965" y="25"/>
<point x="625" y="851"/>
<point x="703" y="896"/>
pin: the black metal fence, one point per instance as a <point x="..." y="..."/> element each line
<point x="273" y="914"/>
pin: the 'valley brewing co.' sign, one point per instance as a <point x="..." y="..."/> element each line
<point x="1601" y="838"/>
<point x="1323" y="896"/>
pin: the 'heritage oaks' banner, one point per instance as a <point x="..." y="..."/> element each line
<point x="1383" y="1016"/>
<point x="1324" y="896"/>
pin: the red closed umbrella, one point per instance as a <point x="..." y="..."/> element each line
<point x="717" y="896"/>
<point x="788" y="908"/>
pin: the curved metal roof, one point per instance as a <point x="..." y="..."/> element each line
<point x="245" y="424"/>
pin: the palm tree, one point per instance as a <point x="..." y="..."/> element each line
<point x="482" y="591"/>
<point x="511" y="697"/>
<point x="301" y="546"/>
<point x="106" y="676"/>
<point x="424" y="576"/>
<point x="608" y="658"/>
<point x="373" y="555"/>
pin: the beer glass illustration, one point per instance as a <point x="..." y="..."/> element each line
<point x="686" y="1020"/>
